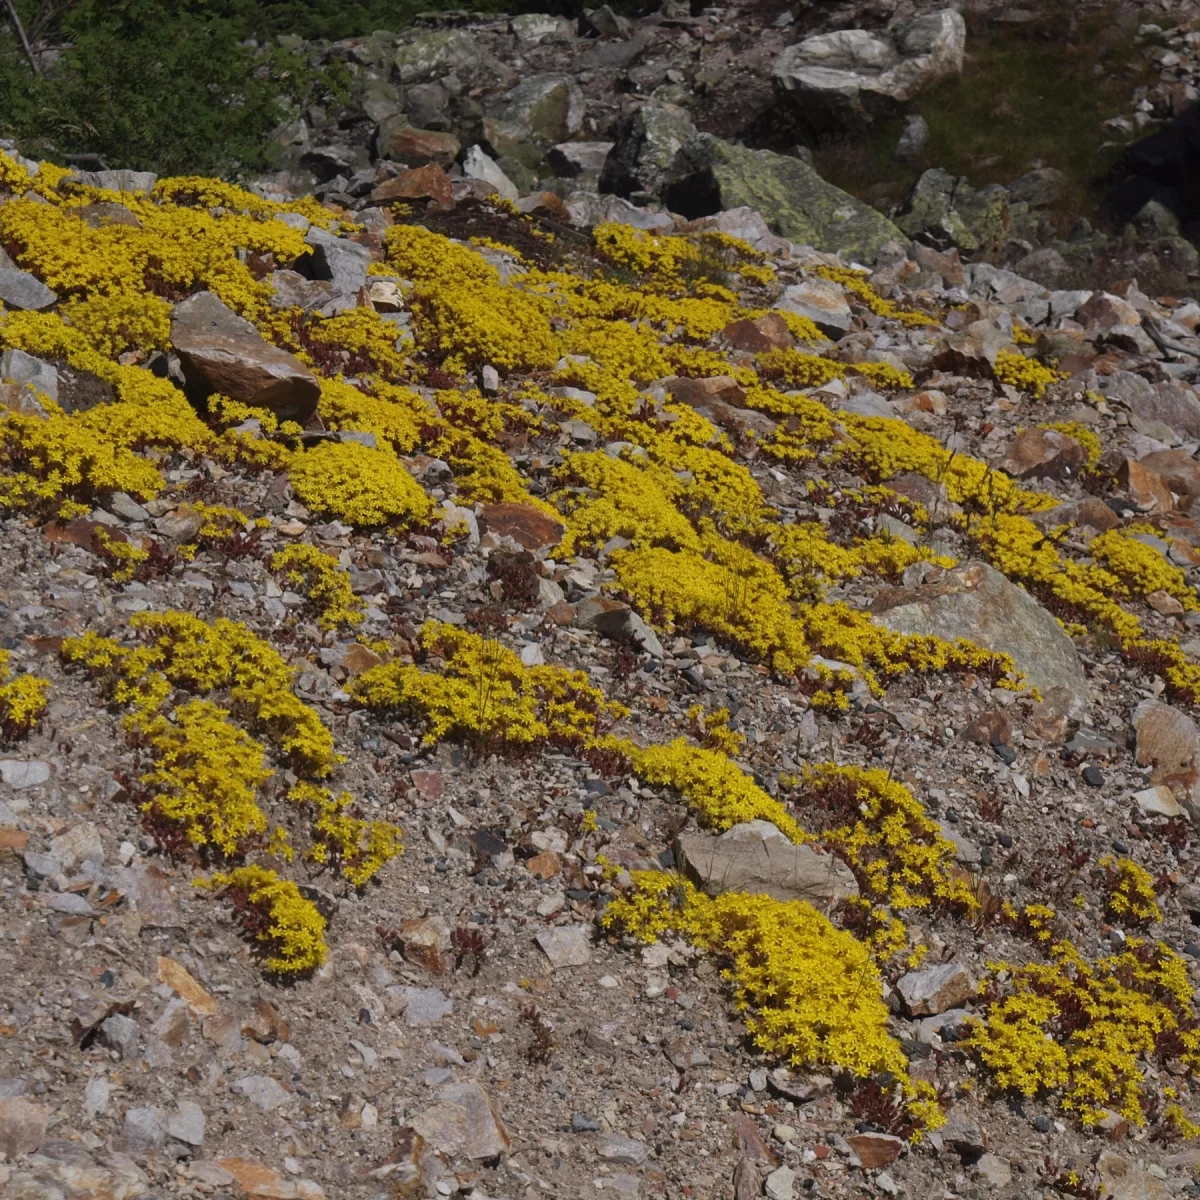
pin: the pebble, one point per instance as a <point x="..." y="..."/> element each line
<point x="426" y="1006"/>
<point x="566" y="946"/>
<point x="19" y="774"/>
<point x="187" y="1123"/>
<point x="584" y="1124"/>
<point x="781" y="1184"/>
<point x="263" y="1091"/>
<point x="628" y="1151"/>
<point x="1093" y="776"/>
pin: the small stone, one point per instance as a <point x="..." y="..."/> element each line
<point x="95" y="1097"/>
<point x="935" y="989"/>
<point x="962" y="1132"/>
<point x="875" y="1149"/>
<point x="784" y="1133"/>
<point x="145" y="1129"/>
<point x="464" y="1123"/>
<point x="22" y="1126"/>
<point x="629" y="1151"/>
<point x="758" y="1079"/>
<point x="566" y="946"/>
<point x="1164" y="603"/>
<point x="1157" y="802"/>
<point x="256" y="1179"/>
<point x="684" y="1057"/>
<point x="179" y="979"/>
<point x="187" y="1123"/>
<point x="994" y="1170"/>
<point x="19" y="774"/>
<point x="426" y="1006"/>
<point x="1093" y="776"/>
<point x="781" y="1184"/>
<point x="124" y="505"/>
<point x="1122" y="1179"/>
<point x="263" y="1091"/>
<point x="120" y="1034"/>
<point x="581" y="1123"/>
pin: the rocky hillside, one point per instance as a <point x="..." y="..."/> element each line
<point x="514" y="696"/>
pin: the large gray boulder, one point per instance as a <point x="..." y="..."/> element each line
<point x="221" y="352"/>
<point x="533" y="116"/>
<point x="339" y="262"/>
<point x="436" y="51"/>
<point x="708" y="175"/>
<point x="647" y="141"/>
<point x="944" y="212"/>
<point x="20" y="289"/>
<point x="851" y="76"/>
<point x="974" y="601"/>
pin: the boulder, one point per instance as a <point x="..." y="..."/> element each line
<point x="396" y="139"/>
<point x="851" y="76"/>
<point x="420" y="183"/>
<point x="755" y="857"/>
<point x="708" y="175"/>
<point x="823" y="302"/>
<point x="569" y="159"/>
<point x="18" y="367"/>
<point x="438" y="50"/>
<point x="477" y="164"/>
<point x="339" y="262"/>
<point x="614" y="619"/>
<point x="933" y="990"/>
<point x="976" y="602"/>
<point x="463" y="1124"/>
<point x="947" y="212"/>
<point x="1168" y="742"/>
<point x="137" y="182"/>
<point x="1043" y="454"/>
<point x="533" y="116"/>
<point x="646" y="143"/>
<point x="221" y="352"/>
<point x="1124" y="1179"/>
<point x="20" y="289"/>
<point x="530" y="527"/>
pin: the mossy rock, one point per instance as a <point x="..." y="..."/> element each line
<point x="708" y="175"/>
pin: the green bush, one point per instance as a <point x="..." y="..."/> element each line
<point x="175" y="86"/>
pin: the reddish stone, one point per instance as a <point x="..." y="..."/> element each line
<point x="428" y="784"/>
<point x="551" y="204"/>
<point x="400" y="142"/>
<point x="1043" y="453"/>
<point x="428" y="182"/>
<point x="544" y="865"/>
<point x="875" y="1149"/>
<point x="1146" y="487"/>
<point x="529" y="527"/>
<point x="769" y="332"/>
<point x="358" y="659"/>
<point x="1176" y="468"/>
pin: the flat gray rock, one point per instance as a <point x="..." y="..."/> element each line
<point x="426" y="1006"/>
<point x="566" y="946"/>
<point x="747" y="858"/>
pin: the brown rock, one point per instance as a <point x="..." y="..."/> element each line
<point x="696" y="392"/>
<point x="265" y="1024"/>
<point x="1168" y="742"/>
<point x="463" y="1124"/>
<point x="755" y="857"/>
<point x="358" y="659"/>
<point x="1163" y="602"/>
<point x="399" y="141"/>
<point x="529" y="527"/>
<point x="179" y="979"/>
<point x="222" y="353"/>
<point x="426" y="941"/>
<point x="1122" y="1179"/>
<point x="19" y="398"/>
<point x="257" y="1180"/>
<point x="769" y="332"/>
<point x="933" y="990"/>
<point x="991" y="728"/>
<point x="1043" y="453"/>
<point x="1177" y="469"/>
<point x="428" y="784"/>
<point x="544" y="865"/>
<point x="549" y="204"/>
<point x="876" y="1149"/>
<point x="22" y="1126"/>
<point x="429" y="182"/>
<point x="107" y="212"/>
<point x="1146" y="487"/>
<point x="1088" y="513"/>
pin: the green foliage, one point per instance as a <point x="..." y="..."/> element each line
<point x="175" y="86"/>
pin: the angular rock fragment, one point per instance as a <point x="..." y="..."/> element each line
<point x="935" y="989"/>
<point x="463" y="1123"/>
<point x="755" y="857"/>
<point x="221" y="352"/>
<point x="974" y="601"/>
